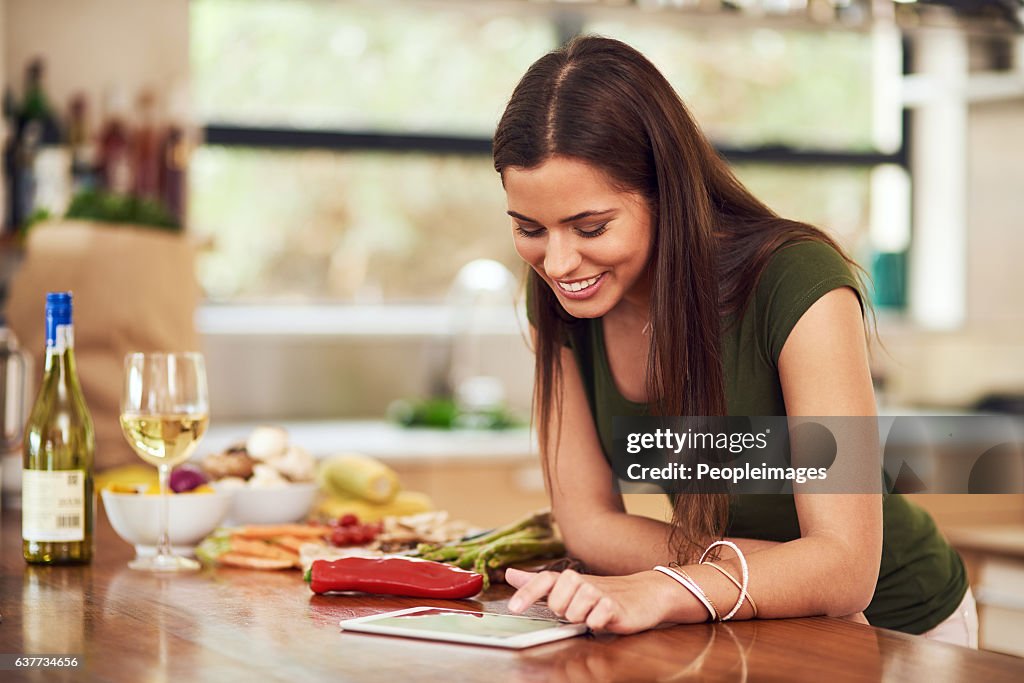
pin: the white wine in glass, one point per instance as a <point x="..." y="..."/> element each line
<point x="164" y="413"/>
<point x="164" y="439"/>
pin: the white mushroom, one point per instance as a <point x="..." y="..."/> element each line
<point x="267" y="442"/>
<point x="265" y="477"/>
<point x="296" y="464"/>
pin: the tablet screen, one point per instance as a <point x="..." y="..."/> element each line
<point x="468" y="623"/>
<point x="503" y="630"/>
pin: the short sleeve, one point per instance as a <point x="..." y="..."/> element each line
<point x="796" y="276"/>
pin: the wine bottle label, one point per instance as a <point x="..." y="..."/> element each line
<point x="63" y="339"/>
<point x="53" y="505"/>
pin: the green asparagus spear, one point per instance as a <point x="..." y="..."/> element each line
<point x="537" y="519"/>
<point x="526" y="551"/>
<point x="472" y="552"/>
<point x="464" y="553"/>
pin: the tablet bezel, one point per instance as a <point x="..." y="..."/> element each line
<point x="517" y="642"/>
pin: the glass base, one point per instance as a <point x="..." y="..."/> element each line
<point x="150" y="550"/>
<point x="164" y="563"/>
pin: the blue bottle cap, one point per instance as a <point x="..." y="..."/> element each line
<point x="58" y="312"/>
<point x="58" y="298"/>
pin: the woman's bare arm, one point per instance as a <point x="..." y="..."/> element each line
<point x="584" y="495"/>
<point x="832" y="569"/>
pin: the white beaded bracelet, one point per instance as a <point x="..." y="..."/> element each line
<point x="743" y="568"/>
<point x="689" y="585"/>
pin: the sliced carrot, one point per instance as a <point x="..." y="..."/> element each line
<point x="272" y="530"/>
<point x="294" y="543"/>
<point x="262" y="549"/>
<point x="250" y="562"/>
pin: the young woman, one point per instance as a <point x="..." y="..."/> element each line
<point x="660" y="285"/>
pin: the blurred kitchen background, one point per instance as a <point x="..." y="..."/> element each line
<point x="326" y="163"/>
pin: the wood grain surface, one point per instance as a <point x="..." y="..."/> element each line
<point x="225" y="625"/>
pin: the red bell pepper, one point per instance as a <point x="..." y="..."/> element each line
<point x="404" y="576"/>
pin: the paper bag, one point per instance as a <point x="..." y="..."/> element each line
<point x="134" y="290"/>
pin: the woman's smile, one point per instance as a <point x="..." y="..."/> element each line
<point x="581" y="289"/>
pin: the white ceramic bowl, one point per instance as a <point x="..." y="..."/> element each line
<point x="271" y="505"/>
<point x="191" y="518"/>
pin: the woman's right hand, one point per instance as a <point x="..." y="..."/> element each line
<point x="615" y="604"/>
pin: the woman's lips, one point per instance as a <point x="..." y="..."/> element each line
<point x="591" y="288"/>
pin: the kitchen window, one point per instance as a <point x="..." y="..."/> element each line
<point x="347" y="156"/>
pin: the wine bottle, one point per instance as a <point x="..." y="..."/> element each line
<point x="145" y="149"/>
<point x="58" y="503"/>
<point x="83" y="150"/>
<point x="36" y="128"/>
<point x="173" y="163"/>
<point x="115" y="165"/>
<point x="10" y="110"/>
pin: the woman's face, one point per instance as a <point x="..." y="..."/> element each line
<point x="588" y="240"/>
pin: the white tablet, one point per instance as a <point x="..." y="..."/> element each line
<point x="459" y="626"/>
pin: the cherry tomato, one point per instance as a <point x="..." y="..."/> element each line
<point x="348" y="531"/>
<point x="341" y="536"/>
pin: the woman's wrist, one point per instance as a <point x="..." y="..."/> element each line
<point x="676" y="604"/>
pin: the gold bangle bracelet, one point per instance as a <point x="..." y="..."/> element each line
<point x="690" y="586"/>
<point x="678" y="570"/>
<point x="736" y="583"/>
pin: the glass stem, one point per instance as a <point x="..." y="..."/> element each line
<point x="163" y="548"/>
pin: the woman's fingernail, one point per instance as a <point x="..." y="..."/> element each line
<point x="515" y="604"/>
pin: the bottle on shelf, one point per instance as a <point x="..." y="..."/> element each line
<point x="58" y="501"/>
<point x="35" y="128"/>
<point x="83" y="149"/>
<point x="35" y="108"/>
<point x="10" y="112"/>
<point x="175" y="146"/>
<point x="115" y="158"/>
<point x="173" y="165"/>
<point x="145" y="148"/>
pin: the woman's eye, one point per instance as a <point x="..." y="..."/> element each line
<point x="593" y="232"/>
<point x="524" y="232"/>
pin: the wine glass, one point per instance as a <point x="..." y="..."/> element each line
<point x="165" y="410"/>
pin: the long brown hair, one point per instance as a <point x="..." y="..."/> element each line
<point x="602" y="102"/>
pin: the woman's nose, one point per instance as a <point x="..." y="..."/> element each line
<point x="561" y="258"/>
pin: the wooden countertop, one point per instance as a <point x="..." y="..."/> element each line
<point x="234" y="625"/>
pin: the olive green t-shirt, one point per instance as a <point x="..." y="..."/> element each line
<point x="921" y="580"/>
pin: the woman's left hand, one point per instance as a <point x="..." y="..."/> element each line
<point x="616" y="604"/>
